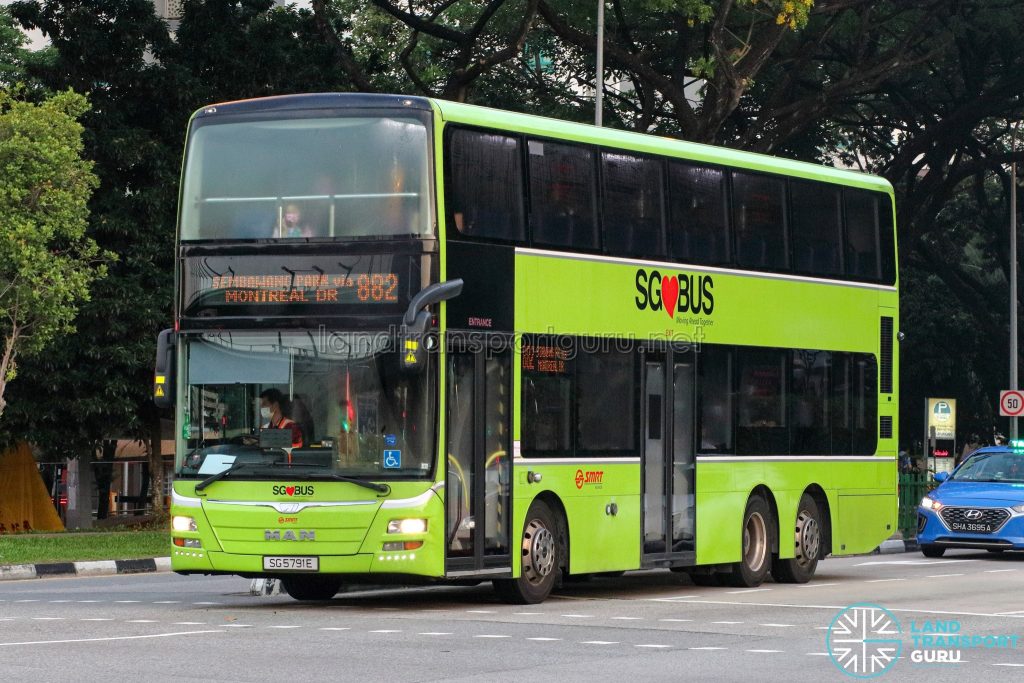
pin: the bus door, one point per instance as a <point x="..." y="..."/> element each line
<point x="478" y="483"/>
<point x="668" y="459"/>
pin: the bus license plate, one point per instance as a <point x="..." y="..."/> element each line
<point x="291" y="564"/>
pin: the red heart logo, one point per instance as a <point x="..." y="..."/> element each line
<point x="290" y="490"/>
<point x="670" y="294"/>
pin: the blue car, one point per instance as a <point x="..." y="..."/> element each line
<point x="978" y="505"/>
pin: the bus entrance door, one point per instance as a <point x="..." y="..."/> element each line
<point x="668" y="459"/>
<point x="478" y="483"/>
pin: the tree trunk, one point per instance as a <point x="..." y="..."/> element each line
<point x="156" y="466"/>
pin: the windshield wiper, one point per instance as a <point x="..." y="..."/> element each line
<point x="379" y="488"/>
<point x="220" y="475"/>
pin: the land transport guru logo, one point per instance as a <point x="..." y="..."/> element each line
<point x="677" y="293"/>
<point x="866" y="640"/>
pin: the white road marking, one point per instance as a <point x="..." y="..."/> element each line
<point x="101" y="640"/>
<point x="285" y="626"/>
<point x="167" y="602"/>
<point x="335" y="628"/>
<point x="544" y="639"/>
<point x="998" y="571"/>
<point x="528" y="614"/>
<point x="48" y="618"/>
<point x="125" y="602"/>
<point x="206" y="603"/>
<point x="822" y="628"/>
<point x="387" y="631"/>
<point x="1007" y="664"/>
<point x="628" y="618"/>
<point x="941" y="576"/>
<point x="911" y="562"/>
<point x="767" y="651"/>
<point x="237" y="625"/>
<point x="653" y="645"/>
<point x="675" y="620"/>
<point x="707" y="648"/>
<point x="434" y="633"/>
<point x="479" y="611"/>
<point x="909" y="610"/>
<point x="144" y="621"/>
<point x="32" y="600"/>
<point x="777" y="625"/>
<point x="749" y="590"/>
<point x="726" y="622"/>
<point x="488" y="635"/>
<point x="817" y="585"/>
<point x="190" y="623"/>
<point x="578" y="616"/>
<point x="674" y="598"/>
<point x="53" y="601"/>
<point x="1006" y="614"/>
<point x="599" y="642"/>
<point x="882" y="580"/>
<point x="88" y="601"/>
<point x="112" y="618"/>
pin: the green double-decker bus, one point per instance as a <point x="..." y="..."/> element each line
<point x="422" y="341"/>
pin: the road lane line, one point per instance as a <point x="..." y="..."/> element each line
<point x="335" y="628"/>
<point x="777" y="625"/>
<point x="237" y="626"/>
<point x="998" y="571"/>
<point x="941" y="576"/>
<point x="909" y="610"/>
<point x="578" y="616"/>
<point x="707" y="648"/>
<point x="817" y="585"/>
<point x="434" y="633"/>
<point x="652" y="645"/>
<point x="126" y="602"/>
<point x="87" y="601"/>
<point x="167" y="602"/>
<point x="112" y="618"/>
<point x="675" y="620"/>
<point x="628" y="618"/>
<point x="528" y="614"/>
<point x="599" y="642"/>
<point x="206" y="603"/>
<point x="387" y="631"/>
<point x="32" y="600"/>
<point x="726" y="622"/>
<point x="48" y="618"/>
<point x="285" y="626"/>
<point x="190" y="623"/>
<point x="103" y="640"/>
<point x="1007" y="664"/>
<point x="749" y="590"/>
<point x="480" y="611"/>
<point x="1006" y="614"/>
<point x="142" y="621"/>
<point x="53" y="601"/>
<point x="490" y="635"/>
<point x="882" y="580"/>
<point x="539" y="638"/>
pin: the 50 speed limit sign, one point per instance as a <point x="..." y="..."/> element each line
<point x="1011" y="403"/>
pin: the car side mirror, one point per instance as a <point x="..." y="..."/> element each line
<point x="940" y="477"/>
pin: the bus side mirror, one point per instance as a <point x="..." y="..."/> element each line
<point x="414" y="340"/>
<point x="163" y="375"/>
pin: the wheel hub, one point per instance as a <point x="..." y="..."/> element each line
<point x="538" y="551"/>
<point x="755" y="542"/>
<point x="808" y="538"/>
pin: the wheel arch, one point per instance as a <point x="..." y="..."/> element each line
<point x="554" y="503"/>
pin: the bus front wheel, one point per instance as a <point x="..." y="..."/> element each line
<point x="311" y="586"/>
<point x="807" y="546"/>
<point x="541" y="558"/>
<point x="752" y="569"/>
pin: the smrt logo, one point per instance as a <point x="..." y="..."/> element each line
<point x="293" y="490"/>
<point x="588" y="477"/>
<point x="671" y="293"/>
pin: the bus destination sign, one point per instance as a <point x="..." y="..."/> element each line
<point x="298" y="285"/>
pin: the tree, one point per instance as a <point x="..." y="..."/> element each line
<point x="47" y="263"/>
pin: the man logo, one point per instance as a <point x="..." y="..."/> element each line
<point x="864" y="640"/>
<point x="973" y="514"/>
<point x="288" y="535"/>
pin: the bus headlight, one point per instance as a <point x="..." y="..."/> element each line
<point x="929" y="504"/>
<point x="183" y="524"/>
<point x="407" y="526"/>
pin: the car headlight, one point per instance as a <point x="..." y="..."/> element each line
<point x="183" y="524"/>
<point x="407" y="526"/>
<point x="1018" y="508"/>
<point x="929" y="504"/>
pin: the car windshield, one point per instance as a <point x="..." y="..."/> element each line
<point x="989" y="467"/>
<point x="303" y="404"/>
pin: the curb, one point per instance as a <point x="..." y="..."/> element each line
<point x="893" y="546"/>
<point x="95" y="568"/>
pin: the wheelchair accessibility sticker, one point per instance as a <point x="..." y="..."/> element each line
<point x="392" y="459"/>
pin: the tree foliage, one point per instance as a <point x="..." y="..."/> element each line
<point x="47" y="262"/>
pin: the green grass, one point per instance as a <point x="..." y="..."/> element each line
<point x="113" y="545"/>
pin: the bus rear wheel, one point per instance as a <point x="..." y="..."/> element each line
<point x="541" y="558"/>
<point x="752" y="569"/>
<point x="311" y="586"/>
<point x="807" y="546"/>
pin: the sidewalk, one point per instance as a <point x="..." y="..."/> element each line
<point x="95" y="568"/>
<point x="898" y="544"/>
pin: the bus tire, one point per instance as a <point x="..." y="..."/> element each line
<point x="807" y="545"/>
<point x="311" y="586"/>
<point x="756" y="559"/>
<point x="929" y="550"/>
<point x="541" y="558"/>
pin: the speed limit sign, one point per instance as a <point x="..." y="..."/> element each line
<point x="1011" y="403"/>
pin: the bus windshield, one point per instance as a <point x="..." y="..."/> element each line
<point x="303" y="404"/>
<point x="307" y="178"/>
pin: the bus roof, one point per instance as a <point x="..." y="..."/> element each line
<point x="469" y="114"/>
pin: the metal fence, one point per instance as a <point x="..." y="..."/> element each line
<point x="913" y="487"/>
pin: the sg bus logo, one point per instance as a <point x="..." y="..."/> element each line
<point x="683" y="293"/>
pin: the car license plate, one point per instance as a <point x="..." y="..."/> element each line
<point x="972" y="527"/>
<point x="291" y="564"/>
